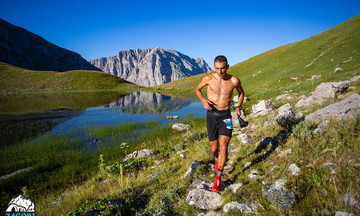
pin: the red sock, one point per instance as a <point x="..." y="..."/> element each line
<point x="219" y="172"/>
<point x="216" y="164"/>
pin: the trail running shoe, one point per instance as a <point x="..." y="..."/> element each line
<point x="216" y="165"/>
<point x="216" y="187"/>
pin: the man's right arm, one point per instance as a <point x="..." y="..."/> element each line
<point x="204" y="82"/>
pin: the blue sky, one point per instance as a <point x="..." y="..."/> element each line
<point x="237" y="29"/>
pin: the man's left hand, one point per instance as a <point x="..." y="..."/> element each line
<point x="238" y="112"/>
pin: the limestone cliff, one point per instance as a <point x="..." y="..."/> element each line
<point x="151" y="67"/>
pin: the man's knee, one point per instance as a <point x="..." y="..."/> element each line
<point x="213" y="146"/>
<point x="213" y="150"/>
<point x="224" y="140"/>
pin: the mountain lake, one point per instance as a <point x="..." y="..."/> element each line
<point x="28" y="117"/>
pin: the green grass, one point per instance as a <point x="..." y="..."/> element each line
<point x="14" y="79"/>
<point x="336" y="47"/>
<point x="62" y="161"/>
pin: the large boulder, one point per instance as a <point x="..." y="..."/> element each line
<point x="286" y="117"/>
<point x="324" y="91"/>
<point x="330" y="90"/>
<point x="264" y="107"/>
<point x="346" y="108"/>
<point x="204" y="199"/>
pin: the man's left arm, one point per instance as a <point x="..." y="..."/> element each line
<point x="241" y="97"/>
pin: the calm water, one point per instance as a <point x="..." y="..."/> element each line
<point x="136" y="107"/>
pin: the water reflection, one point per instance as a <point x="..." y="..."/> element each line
<point x="148" y="102"/>
<point x="18" y="128"/>
<point x="136" y="107"/>
<point x="18" y="104"/>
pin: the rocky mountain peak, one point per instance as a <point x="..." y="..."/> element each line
<point x="25" y="49"/>
<point x="151" y="66"/>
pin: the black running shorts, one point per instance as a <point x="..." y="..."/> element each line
<point x="219" y="123"/>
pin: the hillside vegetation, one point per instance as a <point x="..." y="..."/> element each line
<point x="15" y="79"/>
<point x="288" y="68"/>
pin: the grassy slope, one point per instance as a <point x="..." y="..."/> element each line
<point x="336" y="47"/>
<point x="14" y="79"/>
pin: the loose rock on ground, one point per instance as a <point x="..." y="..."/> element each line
<point x="140" y="154"/>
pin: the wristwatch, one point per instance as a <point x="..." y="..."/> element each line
<point x="238" y="107"/>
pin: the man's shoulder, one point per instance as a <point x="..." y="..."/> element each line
<point x="235" y="80"/>
<point x="208" y="77"/>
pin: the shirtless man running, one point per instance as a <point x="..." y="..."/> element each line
<point x="219" y="95"/>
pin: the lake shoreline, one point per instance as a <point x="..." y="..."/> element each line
<point x="57" y="151"/>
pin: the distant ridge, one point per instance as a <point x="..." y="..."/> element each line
<point x="27" y="50"/>
<point x="151" y="67"/>
<point x="15" y="79"/>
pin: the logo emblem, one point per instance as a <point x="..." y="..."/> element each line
<point x="229" y="124"/>
<point x="21" y="204"/>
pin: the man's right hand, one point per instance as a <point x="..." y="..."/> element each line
<point x="209" y="105"/>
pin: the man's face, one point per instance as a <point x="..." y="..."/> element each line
<point x="221" y="69"/>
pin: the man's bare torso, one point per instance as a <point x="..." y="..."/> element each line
<point x="220" y="91"/>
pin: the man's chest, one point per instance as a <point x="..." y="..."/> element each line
<point x="221" y="87"/>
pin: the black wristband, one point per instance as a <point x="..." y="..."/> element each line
<point x="238" y="107"/>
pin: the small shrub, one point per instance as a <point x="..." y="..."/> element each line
<point x="104" y="207"/>
<point x="102" y="165"/>
<point x="163" y="202"/>
<point x="129" y="165"/>
<point x="303" y="130"/>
